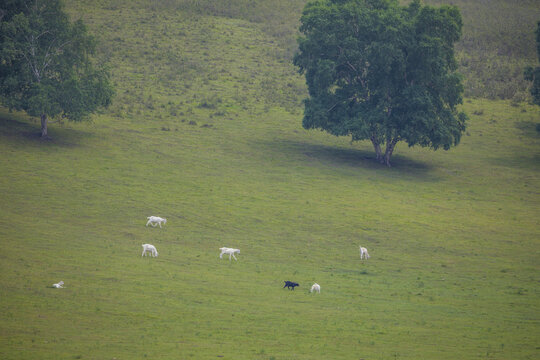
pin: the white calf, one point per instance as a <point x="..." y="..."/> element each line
<point x="363" y="253"/>
<point x="316" y="287"/>
<point x="60" y="285"/>
<point x="155" y="221"/>
<point x="150" y="249"/>
<point x="230" y="251"/>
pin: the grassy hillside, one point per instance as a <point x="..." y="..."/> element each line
<point x="206" y="131"/>
<point x="498" y="36"/>
<point x="498" y="43"/>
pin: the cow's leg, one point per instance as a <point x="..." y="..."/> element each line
<point x="234" y="257"/>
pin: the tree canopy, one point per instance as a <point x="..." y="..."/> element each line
<point x="383" y="72"/>
<point x="533" y="74"/>
<point x="46" y="64"/>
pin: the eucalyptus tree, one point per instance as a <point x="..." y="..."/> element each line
<point x="46" y="63"/>
<point x="383" y="72"/>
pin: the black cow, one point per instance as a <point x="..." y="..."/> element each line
<point x="290" y="284"/>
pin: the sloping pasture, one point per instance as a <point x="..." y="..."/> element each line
<point x="206" y="132"/>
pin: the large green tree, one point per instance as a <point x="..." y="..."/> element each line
<point x="46" y="63"/>
<point x="533" y="73"/>
<point x="383" y="72"/>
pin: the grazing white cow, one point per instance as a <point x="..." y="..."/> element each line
<point x="155" y="221"/>
<point x="363" y="253"/>
<point x="230" y="251"/>
<point x="59" y="285"/>
<point x="315" y="287"/>
<point x="151" y="249"/>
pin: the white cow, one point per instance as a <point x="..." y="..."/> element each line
<point x="363" y="253"/>
<point x="59" y="285"/>
<point x="230" y="251"/>
<point x="155" y="221"/>
<point x="151" y="249"/>
<point x="315" y="287"/>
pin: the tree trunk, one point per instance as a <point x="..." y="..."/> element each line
<point x="390" y="145"/>
<point x="377" y="147"/>
<point x="44" y="121"/>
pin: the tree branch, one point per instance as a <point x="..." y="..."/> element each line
<point x="333" y="106"/>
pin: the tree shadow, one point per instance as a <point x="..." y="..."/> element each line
<point x="518" y="161"/>
<point x="528" y="128"/>
<point x="525" y="159"/>
<point x="24" y="130"/>
<point x="336" y="156"/>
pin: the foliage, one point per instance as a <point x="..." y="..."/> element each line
<point x="46" y="67"/>
<point x="379" y="71"/>
<point x="533" y="74"/>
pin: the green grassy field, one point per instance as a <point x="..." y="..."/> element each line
<point x="205" y="131"/>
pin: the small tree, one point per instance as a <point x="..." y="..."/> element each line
<point x="46" y="67"/>
<point x="533" y="74"/>
<point x="384" y="72"/>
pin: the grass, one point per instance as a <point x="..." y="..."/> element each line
<point x="498" y="43"/>
<point x="206" y="131"/>
<point x="498" y="39"/>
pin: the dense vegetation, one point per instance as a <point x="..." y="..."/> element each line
<point x="205" y="130"/>
<point x="382" y="72"/>
<point x="533" y="73"/>
<point x="46" y="66"/>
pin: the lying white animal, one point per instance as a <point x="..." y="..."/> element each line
<point x="155" y="221"/>
<point x="150" y="249"/>
<point x="316" y="287"/>
<point x="363" y="253"/>
<point x="59" y="285"/>
<point x="230" y="251"/>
